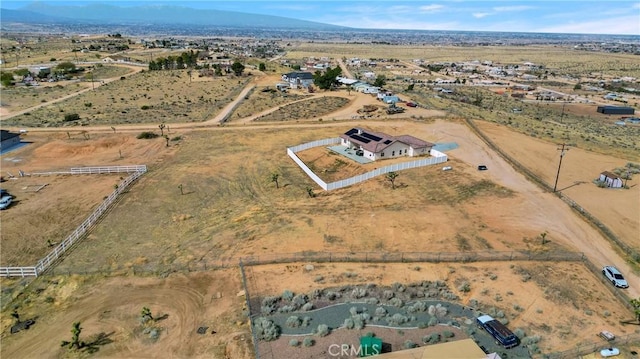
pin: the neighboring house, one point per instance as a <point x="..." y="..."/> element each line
<point x="298" y="79"/>
<point x="611" y="179"/>
<point x="377" y="145"/>
<point x="8" y="139"/>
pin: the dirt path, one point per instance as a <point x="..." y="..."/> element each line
<point x="550" y="213"/>
<point x="5" y="115"/>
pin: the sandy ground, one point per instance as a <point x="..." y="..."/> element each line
<point x="186" y="298"/>
<point x="113" y="305"/>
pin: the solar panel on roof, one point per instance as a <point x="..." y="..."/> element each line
<point x="371" y="137"/>
<point x="351" y="132"/>
<point x="361" y="139"/>
<point x="387" y="142"/>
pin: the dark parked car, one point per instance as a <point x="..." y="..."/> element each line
<point x="482" y="168"/>
<point x="412" y="104"/>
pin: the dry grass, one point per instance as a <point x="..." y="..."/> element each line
<point x="146" y="97"/>
<point x="307" y="109"/>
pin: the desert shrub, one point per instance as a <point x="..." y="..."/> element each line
<point x="348" y="323"/>
<point x="358" y="322"/>
<point x="470" y="330"/>
<point x="432" y="321"/>
<point x="518" y="308"/>
<point x="307" y="307"/>
<point x="423" y="325"/>
<point x="88" y="104"/>
<point x="287" y="309"/>
<point x="299" y="300"/>
<point x="388" y="294"/>
<point x="333" y="295"/>
<point x="588" y="312"/>
<point x="449" y="295"/>
<point x="294" y="342"/>
<point x="408" y="344"/>
<point x="500" y="314"/>
<point x="473" y="303"/>
<point x="399" y="287"/>
<point x="323" y="330"/>
<point x="287" y="295"/>
<point x="359" y="293"/>
<point x="504" y="321"/>
<point x="293" y="322"/>
<point x="396" y="302"/>
<point x="431" y="339"/>
<point x="465" y="287"/>
<point x="147" y="135"/>
<point x="308" y="342"/>
<point x="145" y="107"/>
<point x="519" y="332"/>
<point x="380" y="311"/>
<point x="534" y="339"/>
<point x="370" y="334"/>
<point x="448" y="334"/>
<point x="305" y="321"/>
<point x="154" y="334"/>
<point x="606" y="313"/>
<point x="318" y="278"/>
<point x="371" y="301"/>
<point x="440" y="310"/>
<point x="397" y="319"/>
<point x="71" y="117"/>
<point x="493" y="276"/>
<point x="266" y="329"/>
<point x="317" y="293"/>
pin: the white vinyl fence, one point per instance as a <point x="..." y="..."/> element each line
<point x="78" y="233"/>
<point x="437" y="157"/>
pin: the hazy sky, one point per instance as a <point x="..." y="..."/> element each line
<point x="591" y="17"/>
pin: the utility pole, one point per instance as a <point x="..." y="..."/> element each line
<point x="563" y="151"/>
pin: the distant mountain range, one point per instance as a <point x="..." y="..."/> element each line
<point x="103" y="14"/>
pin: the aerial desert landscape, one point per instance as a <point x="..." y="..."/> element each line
<point x="225" y="247"/>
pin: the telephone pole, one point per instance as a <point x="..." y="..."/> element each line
<point x="563" y="151"/>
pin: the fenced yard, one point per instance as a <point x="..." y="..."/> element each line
<point x="43" y="264"/>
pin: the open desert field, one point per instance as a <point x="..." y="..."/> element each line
<point x="174" y="239"/>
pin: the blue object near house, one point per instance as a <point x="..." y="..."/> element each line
<point x="390" y="99"/>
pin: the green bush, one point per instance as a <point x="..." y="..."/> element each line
<point x="308" y="342"/>
<point x="293" y="322"/>
<point x="408" y="344"/>
<point x="71" y="117"/>
<point x="145" y="107"/>
<point x="448" y="334"/>
<point x="147" y="135"/>
<point x="266" y="329"/>
<point x="323" y="330"/>
<point x="294" y="342"/>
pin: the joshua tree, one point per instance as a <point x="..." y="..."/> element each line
<point x="75" y="337"/>
<point x="166" y="137"/>
<point x="635" y="303"/>
<point x="181" y="190"/>
<point x="161" y="127"/>
<point x="391" y="176"/>
<point x="274" y="178"/>
<point x="145" y="314"/>
<point x="310" y="192"/>
<point x="543" y="235"/>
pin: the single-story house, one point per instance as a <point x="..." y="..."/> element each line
<point x="8" y="139"/>
<point x="378" y="145"/>
<point x="611" y="179"/>
<point x="298" y="79"/>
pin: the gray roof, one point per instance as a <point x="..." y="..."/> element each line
<point x="5" y="135"/>
<point x="377" y="141"/>
<point x="300" y="75"/>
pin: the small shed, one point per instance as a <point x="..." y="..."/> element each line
<point x="611" y="179"/>
<point x="370" y="346"/>
<point x="616" y="110"/>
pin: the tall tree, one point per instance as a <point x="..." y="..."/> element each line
<point x="328" y="79"/>
<point x="380" y="81"/>
<point x="237" y="68"/>
<point x="635" y="303"/>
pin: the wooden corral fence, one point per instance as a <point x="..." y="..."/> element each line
<point x="44" y="263"/>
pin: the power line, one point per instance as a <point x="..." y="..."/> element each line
<point x="563" y="151"/>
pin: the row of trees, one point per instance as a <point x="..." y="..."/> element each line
<point x="185" y="60"/>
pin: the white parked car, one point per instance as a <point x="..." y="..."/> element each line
<point x="615" y="277"/>
<point x="5" y="201"/>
